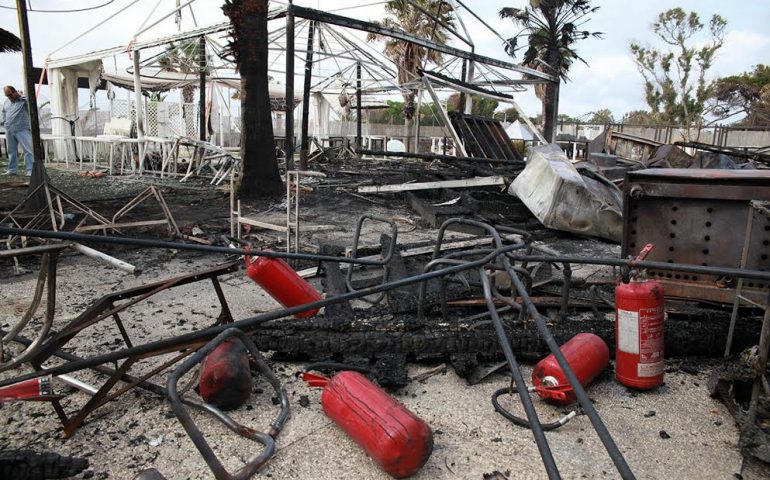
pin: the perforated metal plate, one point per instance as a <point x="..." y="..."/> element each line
<point x="699" y="217"/>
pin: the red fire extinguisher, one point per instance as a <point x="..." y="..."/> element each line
<point x="639" y="331"/>
<point x="37" y="390"/>
<point x="398" y="440"/>
<point x="586" y="354"/>
<point x="282" y="283"/>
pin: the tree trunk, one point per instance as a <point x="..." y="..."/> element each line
<point x="550" y="103"/>
<point x="188" y="93"/>
<point x="409" y="112"/>
<point x="408" y="133"/>
<point x="259" y="173"/>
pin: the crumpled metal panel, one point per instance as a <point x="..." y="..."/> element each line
<point x="562" y="199"/>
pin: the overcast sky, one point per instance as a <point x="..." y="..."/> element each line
<point x="609" y="81"/>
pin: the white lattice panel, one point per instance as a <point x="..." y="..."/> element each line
<point x="191" y="119"/>
<point x="151" y="119"/>
<point x="121" y="109"/>
<point x="162" y="118"/>
<point x="175" y="121"/>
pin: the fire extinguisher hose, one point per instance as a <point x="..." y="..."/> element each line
<point x="522" y="422"/>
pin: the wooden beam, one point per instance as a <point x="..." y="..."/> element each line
<point x="282" y="228"/>
<point x="118" y="226"/>
<point x="463" y="183"/>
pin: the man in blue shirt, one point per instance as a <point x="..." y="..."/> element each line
<point x="17" y="130"/>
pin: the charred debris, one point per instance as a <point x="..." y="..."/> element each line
<point x="505" y="291"/>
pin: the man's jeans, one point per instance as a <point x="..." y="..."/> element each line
<point x="14" y="138"/>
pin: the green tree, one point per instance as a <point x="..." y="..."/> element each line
<point x="551" y="29"/>
<point x="482" y="106"/>
<point x="183" y="57"/>
<point x="747" y="94"/>
<point x="640" y="117"/>
<point x="564" y="118"/>
<point x="675" y="85"/>
<point x="393" y="114"/>
<point x="510" y="114"/>
<point x="601" y="117"/>
<point x="259" y="169"/>
<point x="409" y="57"/>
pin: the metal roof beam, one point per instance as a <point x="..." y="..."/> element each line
<point x="311" y="14"/>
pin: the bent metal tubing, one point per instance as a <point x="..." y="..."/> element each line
<point x="267" y="439"/>
<point x="529" y="408"/>
<point x="545" y="333"/>
<point x="541" y="323"/>
<point x="247" y="324"/>
<point x="143" y="242"/>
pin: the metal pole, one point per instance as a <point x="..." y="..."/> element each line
<point x="221" y="119"/>
<point x="306" y="97"/>
<point x="138" y="98"/>
<point x="468" y="107"/>
<point x="202" y="88"/>
<point x="417" y="123"/>
<point x="358" y="111"/>
<point x="739" y="288"/>
<point x="764" y="340"/>
<point x="289" y="92"/>
<point x="463" y="75"/>
<point x="38" y="169"/>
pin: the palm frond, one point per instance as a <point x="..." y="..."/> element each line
<point x="9" y="42"/>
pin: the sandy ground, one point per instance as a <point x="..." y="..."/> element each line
<point x="139" y="431"/>
<point x="675" y="431"/>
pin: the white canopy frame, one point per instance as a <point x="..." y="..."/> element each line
<point x="336" y="53"/>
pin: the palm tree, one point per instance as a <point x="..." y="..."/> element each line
<point x="551" y="28"/>
<point x="9" y="42"/>
<point x="409" y="57"/>
<point x="183" y="58"/>
<point x="259" y="170"/>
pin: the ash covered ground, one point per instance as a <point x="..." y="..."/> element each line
<point x="674" y="431"/>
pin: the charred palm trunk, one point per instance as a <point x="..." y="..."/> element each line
<point x="259" y="173"/>
<point x="409" y="112"/>
<point x="551" y="94"/>
<point x="550" y="110"/>
<point x="188" y="94"/>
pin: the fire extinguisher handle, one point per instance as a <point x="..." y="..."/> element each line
<point x="643" y="254"/>
<point x="555" y="392"/>
<point x="314" y="380"/>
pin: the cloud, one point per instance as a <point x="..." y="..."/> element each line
<point x="742" y="50"/>
<point x="611" y="81"/>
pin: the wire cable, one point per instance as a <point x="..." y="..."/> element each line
<point x="95" y="7"/>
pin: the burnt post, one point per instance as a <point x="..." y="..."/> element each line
<point x="461" y="100"/>
<point x="358" y="111"/>
<point x="202" y="87"/>
<point x="550" y="135"/>
<point x="306" y="97"/>
<point x="39" y="174"/>
<point x="289" y="142"/>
